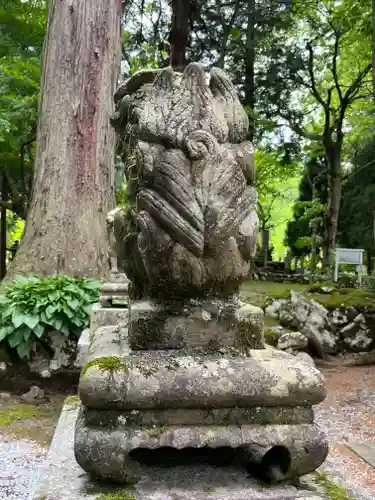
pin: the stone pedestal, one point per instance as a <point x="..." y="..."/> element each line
<point x="197" y="376"/>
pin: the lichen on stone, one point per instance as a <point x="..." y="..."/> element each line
<point x="156" y="432"/>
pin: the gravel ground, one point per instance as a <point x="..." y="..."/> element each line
<point x="19" y="463"/>
<point x="347" y="415"/>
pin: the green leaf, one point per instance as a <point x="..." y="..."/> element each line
<point x="50" y="310"/>
<point x="5" y="331"/>
<point x="57" y="323"/>
<point x="27" y="335"/>
<point x="73" y="304"/>
<point x="65" y="330"/>
<point x="77" y="321"/>
<point x="31" y="321"/>
<point x="17" y="318"/>
<point x="68" y="311"/>
<point x="16" y="337"/>
<point x="39" y="330"/>
<point x="23" y="349"/>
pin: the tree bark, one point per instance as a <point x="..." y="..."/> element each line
<point x="74" y="165"/>
<point x="373" y="47"/>
<point x="179" y="37"/>
<point x="250" y="64"/>
<point x="3" y="227"/>
<point x="333" y="155"/>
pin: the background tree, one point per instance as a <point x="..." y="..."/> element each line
<point x="315" y="67"/>
<point x="357" y="215"/>
<point x="74" y="165"/>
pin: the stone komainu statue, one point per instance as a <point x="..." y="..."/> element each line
<point x="191" y="227"/>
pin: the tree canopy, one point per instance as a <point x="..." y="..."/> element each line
<point x="303" y="70"/>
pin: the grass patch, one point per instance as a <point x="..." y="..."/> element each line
<point x="35" y="423"/>
<point x="332" y="490"/>
<point x="262" y="293"/>
<point x="346" y="297"/>
<point x="23" y="412"/>
<point x="269" y="321"/>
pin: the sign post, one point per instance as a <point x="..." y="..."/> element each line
<point x="349" y="256"/>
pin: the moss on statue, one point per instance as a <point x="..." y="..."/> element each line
<point x="109" y="364"/>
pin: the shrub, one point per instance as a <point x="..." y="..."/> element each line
<point x="32" y="306"/>
<point x="368" y="283"/>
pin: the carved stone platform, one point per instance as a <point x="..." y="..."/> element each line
<point x="255" y="402"/>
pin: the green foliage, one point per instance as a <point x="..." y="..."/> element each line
<point x="358" y="200"/>
<point x="332" y="490"/>
<point x="368" y="283"/>
<point x="32" y="306"/>
<point x="22" y="29"/>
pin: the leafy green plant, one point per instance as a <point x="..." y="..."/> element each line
<point x="368" y="283"/>
<point x="33" y="306"/>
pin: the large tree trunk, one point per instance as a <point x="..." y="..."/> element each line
<point x="74" y="166"/>
<point x="373" y="48"/>
<point x="333" y="155"/>
<point x="250" y="64"/>
<point x="179" y="37"/>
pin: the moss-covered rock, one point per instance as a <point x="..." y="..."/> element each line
<point x="109" y="364"/>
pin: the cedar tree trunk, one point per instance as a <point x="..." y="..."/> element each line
<point x="74" y="167"/>
<point x="179" y="36"/>
<point x="250" y="64"/>
<point x="373" y="48"/>
<point x="333" y="155"/>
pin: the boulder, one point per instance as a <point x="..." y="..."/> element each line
<point x="3" y="367"/>
<point x="294" y="340"/>
<point x="64" y="351"/>
<point x="312" y="320"/>
<point x="305" y="358"/>
<point x="342" y="316"/>
<point x="34" y="396"/>
<point x="357" y="336"/>
<point x="57" y="353"/>
<point x="273" y="309"/>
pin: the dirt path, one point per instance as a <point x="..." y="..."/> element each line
<point x="347" y="414"/>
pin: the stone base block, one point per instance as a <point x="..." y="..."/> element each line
<point x="163" y="380"/>
<point x="108" y="316"/>
<point x="83" y="348"/>
<point x="277" y="452"/>
<point x="205" y="324"/>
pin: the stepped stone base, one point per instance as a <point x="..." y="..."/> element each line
<point x="202" y="382"/>
<point x="282" y="451"/>
<point x="63" y="479"/>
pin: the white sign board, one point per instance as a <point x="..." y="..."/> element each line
<point x="352" y="256"/>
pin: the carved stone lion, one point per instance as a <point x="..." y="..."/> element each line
<point x="191" y="227"/>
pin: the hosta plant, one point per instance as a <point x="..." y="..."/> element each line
<point x="33" y="306"/>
